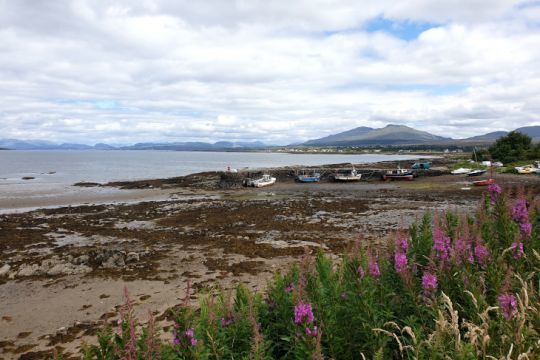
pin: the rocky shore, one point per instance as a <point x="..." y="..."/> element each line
<point x="62" y="270"/>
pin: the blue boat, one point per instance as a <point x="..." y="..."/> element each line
<point x="315" y="177"/>
<point x="421" y="165"/>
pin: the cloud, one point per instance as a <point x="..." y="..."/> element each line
<point x="276" y="71"/>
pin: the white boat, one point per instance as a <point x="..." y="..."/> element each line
<point x="351" y="176"/>
<point x="266" y="180"/>
<point x="476" y="172"/>
<point x="461" y="171"/>
<point x="527" y="169"/>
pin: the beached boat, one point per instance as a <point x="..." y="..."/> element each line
<point x="485" y="182"/>
<point x="398" y="174"/>
<point x="527" y="169"/>
<point x="461" y="171"/>
<point x="266" y="180"/>
<point x="350" y="176"/>
<point x="476" y="172"/>
<point x="421" y="165"/>
<point x="309" y="178"/>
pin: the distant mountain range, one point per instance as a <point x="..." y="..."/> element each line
<point x="404" y="135"/>
<point x="179" y="146"/>
<point x="361" y="136"/>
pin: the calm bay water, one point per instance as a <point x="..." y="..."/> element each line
<point x="54" y="172"/>
<point x="101" y="166"/>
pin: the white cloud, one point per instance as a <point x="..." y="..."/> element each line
<point x="276" y="71"/>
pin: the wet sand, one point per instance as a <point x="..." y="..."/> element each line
<point x="68" y="265"/>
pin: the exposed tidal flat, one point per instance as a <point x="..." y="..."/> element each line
<point x="63" y="268"/>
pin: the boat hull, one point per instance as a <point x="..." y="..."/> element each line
<point x="308" y="179"/>
<point x="461" y="171"/>
<point x="345" y="178"/>
<point x="398" y="177"/>
<point x="263" y="184"/>
<point x="476" y="173"/>
<point x="484" y="182"/>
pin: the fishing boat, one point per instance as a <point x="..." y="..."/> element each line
<point x="398" y="174"/>
<point x="266" y="180"/>
<point x="309" y="178"/>
<point x="476" y="172"/>
<point x="421" y="165"/>
<point x="350" y="176"/>
<point x="461" y="171"/>
<point x="485" y="182"/>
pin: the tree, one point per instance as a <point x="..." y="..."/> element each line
<point x="480" y="155"/>
<point x="513" y="147"/>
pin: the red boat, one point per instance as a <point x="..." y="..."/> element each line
<point x="485" y="182"/>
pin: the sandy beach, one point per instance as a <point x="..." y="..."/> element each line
<point x="64" y="267"/>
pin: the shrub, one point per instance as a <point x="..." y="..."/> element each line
<point x="459" y="286"/>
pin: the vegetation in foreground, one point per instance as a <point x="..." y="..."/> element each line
<point x="455" y="286"/>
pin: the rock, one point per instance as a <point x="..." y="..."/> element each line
<point x="114" y="260"/>
<point x="29" y="270"/>
<point x="4" y="270"/>
<point x="132" y="257"/>
<point x="81" y="260"/>
<point x="68" y="269"/>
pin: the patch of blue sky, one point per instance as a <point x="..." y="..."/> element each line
<point x="105" y="104"/>
<point x="528" y="4"/>
<point x="188" y="113"/>
<point x="433" y="89"/>
<point x="405" y="30"/>
<point x="100" y="104"/>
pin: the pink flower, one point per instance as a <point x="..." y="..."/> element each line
<point x="462" y="251"/>
<point x="312" y="332"/>
<point x="189" y="333"/>
<point x="303" y="311"/>
<point x="373" y="269"/>
<point x="508" y="305"/>
<point x="176" y="340"/>
<point x="429" y="281"/>
<point x="517" y="249"/>
<point x="226" y="321"/>
<point x="402" y="245"/>
<point x="441" y="244"/>
<point x="481" y="253"/>
<point x="526" y="229"/>
<point x="289" y="288"/>
<point x="193" y="342"/>
<point x="519" y="211"/>
<point x="494" y="192"/>
<point x="400" y="262"/>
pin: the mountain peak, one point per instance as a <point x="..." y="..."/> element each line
<point x="391" y="134"/>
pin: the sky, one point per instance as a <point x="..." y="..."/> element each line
<point x="279" y="71"/>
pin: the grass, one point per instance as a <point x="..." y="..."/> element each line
<point x="453" y="286"/>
